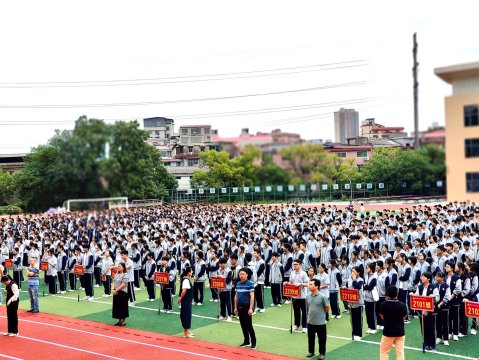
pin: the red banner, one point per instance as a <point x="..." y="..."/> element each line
<point x="217" y="283"/>
<point x="349" y="295"/>
<point x="162" y="278"/>
<point x="423" y="303"/>
<point x="44" y="265"/>
<point x="472" y="309"/>
<point x="290" y="290"/>
<point x="8" y="263"/>
<point x="79" y="270"/>
<point x="114" y="271"/>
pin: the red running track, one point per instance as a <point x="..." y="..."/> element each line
<point x="51" y="336"/>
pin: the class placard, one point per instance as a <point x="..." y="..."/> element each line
<point x="43" y="265"/>
<point x="349" y="295"/>
<point x="79" y="270"/>
<point x="290" y="290"/>
<point x="218" y="283"/>
<point x="8" y="263"/>
<point x="422" y="303"/>
<point x="114" y="271"/>
<point x="162" y="278"/>
<point x="472" y="309"/>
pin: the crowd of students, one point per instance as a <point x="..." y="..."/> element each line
<point x="426" y="250"/>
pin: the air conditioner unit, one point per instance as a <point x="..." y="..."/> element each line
<point x="366" y="158"/>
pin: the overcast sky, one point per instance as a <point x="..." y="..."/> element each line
<point x="257" y="64"/>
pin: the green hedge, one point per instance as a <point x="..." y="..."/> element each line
<point x="10" y="210"/>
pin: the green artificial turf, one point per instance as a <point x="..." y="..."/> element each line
<point x="272" y="327"/>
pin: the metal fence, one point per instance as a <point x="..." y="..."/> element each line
<point x="302" y="193"/>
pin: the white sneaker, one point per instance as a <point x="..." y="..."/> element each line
<point x="461" y="335"/>
<point x="215" y="300"/>
<point x="90" y="298"/>
<point x="211" y="300"/>
<point x="85" y="298"/>
<point x="229" y="319"/>
<point x="473" y="332"/>
<point x="138" y="289"/>
<point x="338" y="316"/>
<point x="97" y="285"/>
<point x="151" y="299"/>
<point x="295" y="328"/>
<point x="446" y="343"/>
<point x="356" y="338"/>
<point x="132" y="304"/>
<point x="287" y="302"/>
<point x="62" y="292"/>
<point x="373" y="332"/>
<point x="305" y="330"/>
<point x="70" y="290"/>
<point x="221" y="318"/>
<point x="279" y="305"/>
<point x="272" y="305"/>
<point x="199" y="304"/>
<point x="455" y="338"/>
<point x="262" y="310"/>
<point x="438" y="341"/>
<point x="368" y="331"/>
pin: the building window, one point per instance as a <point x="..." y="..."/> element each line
<point x="362" y="154"/>
<point x="195" y="131"/>
<point x="206" y="130"/>
<point x="472" y="182"/>
<point x="342" y="154"/>
<point x="471" y="117"/>
<point x="184" y="131"/>
<point x="472" y="148"/>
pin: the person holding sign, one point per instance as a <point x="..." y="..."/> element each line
<point x="225" y="294"/>
<point x="442" y="310"/>
<point x="393" y="312"/>
<point x="428" y="317"/>
<point x="356" y="308"/>
<point x="318" y="306"/>
<point x="120" y="295"/>
<point x="300" y="278"/>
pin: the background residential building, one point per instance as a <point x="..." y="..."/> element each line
<point x="346" y="125"/>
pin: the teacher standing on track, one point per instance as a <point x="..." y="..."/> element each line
<point x="186" y="299"/>
<point x="244" y="304"/>
<point x="120" y="295"/>
<point x="12" y="293"/>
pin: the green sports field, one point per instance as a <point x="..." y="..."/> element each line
<point x="272" y="327"/>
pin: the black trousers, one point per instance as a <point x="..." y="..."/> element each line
<point x="404" y="298"/>
<point x="442" y="324"/>
<point x="333" y="299"/>
<point x="107" y="285"/>
<point x="136" y="275"/>
<point x="429" y="330"/>
<point x="97" y="274"/>
<point x="52" y="285"/>
<point x="71" y="278"/>
<point x="454" y="319"/>
<point x="379" y="321"/>
<point x="17" y="278"/>
<point x="276" y="293"/>
<point x="88" y="284"/>
<point x="463" y="320"/>
<point x="266" y="275"/>
<point x="299" y="310"/>
<point x="320" y="331"/>
<point x="246" y="322"/>
<point x="258" y="296"/>
<point x="62" y="280"/>
<point x="198" y="291"/>
<point x="12" y="317"/>
<point x="357" y="320"/>
<point x="166" y="297"/>
<point x="150" y="288"/>
<point x="225" y="303"/>
<point x="370" y="314"/>
<point x="131" y="292"/>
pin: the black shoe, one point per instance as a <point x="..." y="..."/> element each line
<point x="245" y="344"/>
<point x="253" y="346"/>
<point x="35" y="311"/>
<point x="29" y="310"/>
<point x="310" y="355"/>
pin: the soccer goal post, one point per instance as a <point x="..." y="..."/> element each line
<point x="96" y="204"/>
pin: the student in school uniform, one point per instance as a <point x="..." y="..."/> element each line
<point x="224" y="272"/>
<point x="276" y="279"/>
<point x="105" y="271"/>
<point x="199" y="277"/>
<point x="150" y="268"/>
<point x="88" y="263"/>
<point x="131" y="276"/>
<point x="17" y="267"/>
<point x="299" y="277"/>
<point x="442" y="310"/>
<point x="426" y="288"/>
<point x="166" y="290"/>
<point x="335" y="282"/>
<point x="356" y="282"/>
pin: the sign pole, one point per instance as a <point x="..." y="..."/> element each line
<point x="219" y="304"/>
<point x="423" y="334"/>
<point x="159" y="299"/>
<point x="291" y="317"/>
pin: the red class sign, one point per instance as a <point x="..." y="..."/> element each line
<point x="290" y="290"/>
<point x="162" y="278"/>
<point x="8" y="263"/>
<point x="218" y="283"/>
<point x="349" y="295"/>
<point x="114" y="271"/>
<point x="79" y="270"/>
<point x="44" y="265"/>
<point x="423" y="303"/>
<point x="472" y="309"/>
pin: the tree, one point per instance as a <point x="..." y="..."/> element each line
<point x="217" y="171"/>
<point x="93" y="160"/>
<point x="271" y="174"/>
<point x="249" y="162"/>
<point x="7" y="188"/>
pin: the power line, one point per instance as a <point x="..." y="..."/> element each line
<point x="180" y="79"/>
<point x="145" y="103"/>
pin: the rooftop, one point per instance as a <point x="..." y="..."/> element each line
<point x="449" y="73"/>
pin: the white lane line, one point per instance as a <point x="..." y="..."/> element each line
<point x="70" y="347"/>
<point x="9" y="357"/>
<point x="118" y="339"/>
<point x="285" y="329"/>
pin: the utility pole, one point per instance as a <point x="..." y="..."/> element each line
<point x="415" y="88"/>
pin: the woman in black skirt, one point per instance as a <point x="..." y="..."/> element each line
<point x="13" y="293"/>
<point x="120" y="295"/>
<point x="186" y="299"/>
